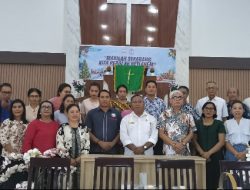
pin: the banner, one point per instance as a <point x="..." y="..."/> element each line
<point x="96" y="60"/>
<point x="130" y="76"/>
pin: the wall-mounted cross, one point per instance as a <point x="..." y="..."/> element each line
<point x="128" y="13"/>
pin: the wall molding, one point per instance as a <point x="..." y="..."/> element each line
<point x="219" y="63"/>
<point x="38" y="58"/>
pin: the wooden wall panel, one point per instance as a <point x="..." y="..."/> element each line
<point x="24" y="76"/>
<point x="164" y="22"/>
<point x="91" y="19"/>
<point x="225" y="78"/>
<point x="115" y="18"/>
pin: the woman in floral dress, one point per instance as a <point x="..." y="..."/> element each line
<point x="176" y="127"/>
<point x="73" y="138"/>
<point x="12" y="130"/>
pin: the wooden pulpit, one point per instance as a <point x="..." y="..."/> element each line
<point x="163" y="88"/>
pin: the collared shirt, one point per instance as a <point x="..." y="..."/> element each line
<point x="60" y="118"/>
<point x="246" y="113"/>
<point x="154" y="107"/>
<point x="176" y="126"/>
<point x="105" y="126"/>
<point x="238" y="133"/>
<point x="31" y="113"/>
<point x="247" y="102"/>
<point x="4" y="112"/>
<point x="188" y="108"/>
<point x="220" y="103"/>
<point x="138" y="130"/>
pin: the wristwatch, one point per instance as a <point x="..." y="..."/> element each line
<point x="145" y="147"/>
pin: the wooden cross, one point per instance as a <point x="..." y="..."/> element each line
<point x="129" y="3"/>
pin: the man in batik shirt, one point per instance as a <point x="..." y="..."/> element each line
<point x="154" y="106"/>
<point x="176" y="127"/>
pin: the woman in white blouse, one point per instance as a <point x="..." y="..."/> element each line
<point x="73" y="138"/>
<point x="237" y="133"/>
<point x="12" y="130"/>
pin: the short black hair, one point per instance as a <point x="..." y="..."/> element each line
<point x="121" y="86"/>
<point x="39" y="110"/>
<point x="104" y="91"/>
<point x="151" y="81"/>
<point x="184" y="87"/>
<point x="61" y="87"/>
<point x="63" y="100"/>
<point x="23" y="116"/>
<point x="39" y="92"/>
<point x="136" y="95"/>
<point x="5" y="84"/>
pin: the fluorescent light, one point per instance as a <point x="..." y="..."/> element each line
<point x="104" y="26"/>
<point x="151" y="28"/>
<point x="103" y="7"/>
<point x="106" y="38"/>
<point x="152" y="9"/>
<point x="150" y="39"/>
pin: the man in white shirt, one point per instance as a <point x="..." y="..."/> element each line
<point x="138" y="131"/>
<point x="220" y="103"/>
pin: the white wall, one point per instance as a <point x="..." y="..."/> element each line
<point x="32" y="25"/>
<point x="220" y="28"/>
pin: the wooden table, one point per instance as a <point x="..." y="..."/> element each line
<point x="142" y="164"/>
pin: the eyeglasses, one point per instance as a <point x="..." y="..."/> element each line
<point x="6" y="92"/>
<point x="208" y="108"/>
<point x="46" y="107"/>
<point x="177" y="98"/>
<point x="34" y="96"/>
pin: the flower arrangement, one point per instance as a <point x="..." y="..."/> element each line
<point x="55" y="152"/>
<point x="78" y="86"/>
<point x="108" y="69"/>
<point x="30" y="154"/>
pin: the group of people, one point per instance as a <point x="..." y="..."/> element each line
<point x="145" y="125"/>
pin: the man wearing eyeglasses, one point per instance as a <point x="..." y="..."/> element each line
<point x="176" y="127"/>
<point x="220" y="103"/>
<point x="5" y="94"/>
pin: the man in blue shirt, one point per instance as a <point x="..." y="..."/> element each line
<point x="5" y="94"/>
<point x="104" y="125"/>
<point x="154" y="106"/>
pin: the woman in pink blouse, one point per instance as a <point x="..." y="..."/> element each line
<point x="41" y="133"/>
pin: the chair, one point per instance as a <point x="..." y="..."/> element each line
<point x="240" y="171"/>
<point x="119" y="171"/>
<point x="49" y="173"/>
<point x="179" y="173"/>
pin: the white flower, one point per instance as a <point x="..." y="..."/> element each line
<point x="73" y="169"/>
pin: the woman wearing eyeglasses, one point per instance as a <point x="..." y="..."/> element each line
<point x="209" y="140"/>
<point x="34" y="97"/>
<point x="176" y="126"/>
<point x="41" y="133"/>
